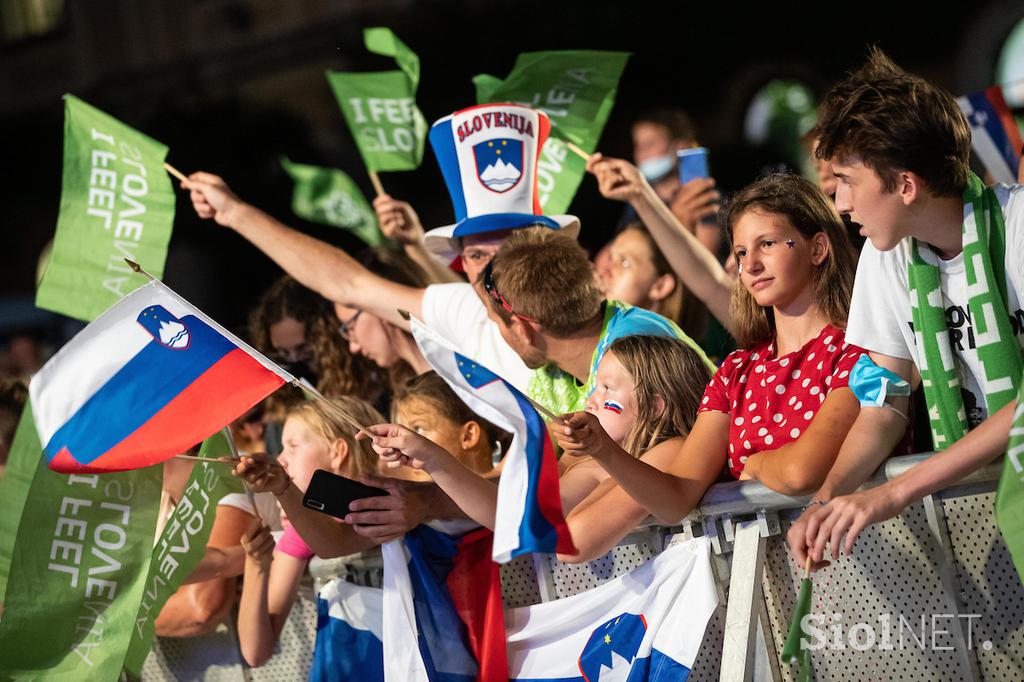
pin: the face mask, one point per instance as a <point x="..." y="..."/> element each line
<point x="301" y="370"/>
<point x="657" y="168"/>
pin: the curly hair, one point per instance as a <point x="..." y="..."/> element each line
<point x="340" y="372"/>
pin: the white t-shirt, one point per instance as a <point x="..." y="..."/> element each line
<point x="455" y="312"/>
<point x="880" y="312"/>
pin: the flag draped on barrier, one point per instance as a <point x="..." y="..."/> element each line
<point x="148" y="379"/>
<point x="330" y="197"/>
<point x="116" y="202"/>
<point x="995" y="137"/>
<point x="77" y="569"/>
<point x="576" y="89"/>
<point x="349" y="633"/>
<point x="529" y="514"/>
<point x="380" y="106"/>
<point x="646" y="625"/>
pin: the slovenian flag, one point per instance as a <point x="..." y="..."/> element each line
<point x="148" y="379"/>
<point x="443" y="615"/>
<point x="994" y="133"/>
<point x="644" y="626"/>
<point x="349" y="633"/>
<point x="529" y="514"/>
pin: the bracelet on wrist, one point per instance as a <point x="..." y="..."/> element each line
<point x="814" y="502"/>
<point x="287" y="484"/>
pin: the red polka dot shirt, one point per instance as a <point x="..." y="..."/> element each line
<point x="770" y="400"/>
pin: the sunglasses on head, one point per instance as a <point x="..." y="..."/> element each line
<point x="487" y="280"/>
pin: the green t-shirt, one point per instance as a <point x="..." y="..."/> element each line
<point x="559" y="391"/>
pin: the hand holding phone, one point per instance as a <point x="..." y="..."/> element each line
<point x="693" y="163"/>
<point x="332" y="494"/>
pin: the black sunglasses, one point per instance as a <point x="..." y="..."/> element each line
<point x="487" y="279"/>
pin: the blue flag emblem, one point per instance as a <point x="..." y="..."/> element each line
<point x="499" y="163"/>
<point x="164" y="327"/>
<point x="616" y="641"/>
<point x="475" y="375"/>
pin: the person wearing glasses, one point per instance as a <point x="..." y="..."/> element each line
<point x="488" y="155"/>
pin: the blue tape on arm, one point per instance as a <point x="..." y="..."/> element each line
<point x="873" y="384"/>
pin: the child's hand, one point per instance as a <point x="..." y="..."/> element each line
<point x="399" y="446"/>
<point x="616" y="178"/>
<point x="582" y="434"/>
<point x="258" y="544"/>
<point x="262" y="473"/>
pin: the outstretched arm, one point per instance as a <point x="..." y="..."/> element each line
<point x="695" y="266"/>
<point x="317" y="265"/>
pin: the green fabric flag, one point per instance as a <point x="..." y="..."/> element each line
<point x="81" y="553"/>
<point x="116" y="202"/>
<point x="182" y="543"/>
<point x="576" y="89"/>
<point x="330" y="197"/>
<point x="380" y="106"/>
<point x="792" y="651"/>
<point x="14" y="486"/>
<point x="1010" y="493"/>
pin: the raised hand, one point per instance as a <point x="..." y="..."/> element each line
<point x="398" y="220"/>
<point x="211" y="197"/>
<point x="616" y="178"/>
<point x="695" y="200"/>
<point x="262" y="473"/>
<point x="399" y="446"/>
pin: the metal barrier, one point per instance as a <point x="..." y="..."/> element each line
<point x="932" y="594"/>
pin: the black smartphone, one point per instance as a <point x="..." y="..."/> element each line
<point x="332" y="494"/>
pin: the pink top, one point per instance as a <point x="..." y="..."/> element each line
<point x="772" y="400"/>
<point x="292" y="544"/>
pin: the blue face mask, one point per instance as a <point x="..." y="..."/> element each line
<point x="658" y="167"/>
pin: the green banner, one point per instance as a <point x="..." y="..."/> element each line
<point x="329" y="196"/>
<point x="80" y="557"/>
<point x="576" y="89"/>
<point x="1010" y="493"/>
<point x="22" y="461"/>
<point x="116" y="202"/>
<point x="380" y="107"/>
<point x="182" y="543"/>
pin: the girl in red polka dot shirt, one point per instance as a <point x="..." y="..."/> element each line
<point x="779" y="409"/>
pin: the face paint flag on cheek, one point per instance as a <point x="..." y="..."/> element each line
<point x="613" y="406"/>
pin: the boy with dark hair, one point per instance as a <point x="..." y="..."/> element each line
<point x="545" y="298"/>
<point x="937" y="297"/>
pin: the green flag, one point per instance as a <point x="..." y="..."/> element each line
<point x="80" y="557"/>
<point x="116" y="202"/>
<point x="329" y="196"/>
<point x="1010" y="493"/>
<point x="795" y="650"/>
<point x="576" y="89"/>
<point x="380" y="107"/>
<point x="182" y="543"/>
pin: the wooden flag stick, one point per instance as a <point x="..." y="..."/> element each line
<point x="174" y="171"/>
<point x="407" y="316"/>
<point x="375" y="181"/>
<point x="217" y="460"/>
<point x="333" y="408"/>
<point x="807" y="567"/>
<point x="578" y="151"/>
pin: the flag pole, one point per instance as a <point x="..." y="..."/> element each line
<point x="332" y="407"/>
<point x="375" y="181"/>
<point x="408" y="317"/>
<point x="575" y="149"/>
<point x="174" y="171"/>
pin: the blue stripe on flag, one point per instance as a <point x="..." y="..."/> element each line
<point x="444" y="644"/>
<point x="993" y="125"/>
<point x="344" y="652"/>
<point x="536" y="534"/>
<point x="138" y="391"/>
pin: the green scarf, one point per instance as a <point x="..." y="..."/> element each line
<point x="984" y="248"/>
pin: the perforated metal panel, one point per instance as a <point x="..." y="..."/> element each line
<point x="519" y="583"/>
<point x="989" y="585"/>
<point x="636" y="548"/>
<point x="293" y="655"/>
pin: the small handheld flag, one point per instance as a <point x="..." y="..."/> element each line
<point x="792" y="652"/>
<point x="330" y="197"/>
<point x="995" y="137"/>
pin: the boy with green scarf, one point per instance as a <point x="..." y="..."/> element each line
<point x="937" y="299"/>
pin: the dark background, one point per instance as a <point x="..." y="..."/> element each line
<point x="231" y="85"/>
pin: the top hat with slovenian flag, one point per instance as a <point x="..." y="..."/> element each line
<point x="488" y="155"/>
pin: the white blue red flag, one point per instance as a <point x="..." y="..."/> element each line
<point x="443" y="615"/>
<point x="349" y="633"/>
<point x="994" y="133"/>
<point x="529" y="514"/>
<point x="644" y="626"/>
<point x="146" y="380"/>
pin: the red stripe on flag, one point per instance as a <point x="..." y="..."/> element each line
<point x="549" y="498"/>
<point x="475" y="585"/>
<point x="217" y="397"/>
<point x="995" y="96"/>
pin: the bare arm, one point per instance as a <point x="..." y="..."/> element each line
<point x="799" y="467"/>
<point x="199" y="606"/>
<point x="323" y="268"/>
<point x="692" y="262"/>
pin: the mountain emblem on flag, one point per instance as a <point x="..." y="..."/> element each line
<point x="164" y="327"/>
<point x="612" y="646"/>
<point x="499" y="163"/>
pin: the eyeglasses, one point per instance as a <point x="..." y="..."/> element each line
<point x="345" y="328"/>
<point x="302" y="353"/>
<point x="487" y="279"/>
